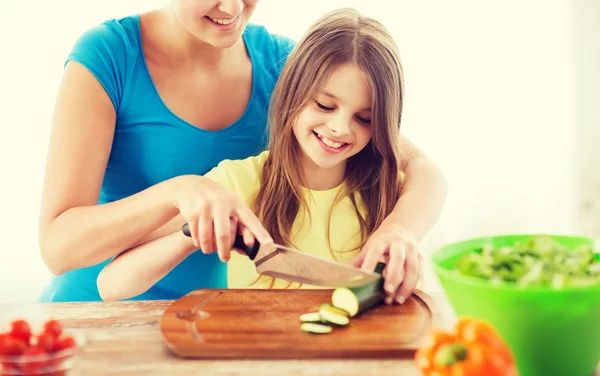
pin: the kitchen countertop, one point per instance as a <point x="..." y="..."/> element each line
<point x="124" y="338"/>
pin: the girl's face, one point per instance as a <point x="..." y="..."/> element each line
<point x="219" y="23"/>
<point x="336" y="124"/>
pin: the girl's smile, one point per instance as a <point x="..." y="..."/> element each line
<point x="330" y="145"/>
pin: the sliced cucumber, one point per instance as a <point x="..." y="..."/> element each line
<point x="336" y="310"/>
<point x="345" y="299"/>
<point x="311" y="327"/>
<point x="332" y="315"/>
<point x="310" y="317"/>
<point x="359" y="299"/>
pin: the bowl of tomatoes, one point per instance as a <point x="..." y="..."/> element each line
<point x="46" y="349"/>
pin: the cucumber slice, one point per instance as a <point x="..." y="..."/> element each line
<point x="336" y="310"/>
<point x="331" y="315"/>
<point x="310" y="317"/>
<point x="311" y="327"/>
<point x="359" y="299"/>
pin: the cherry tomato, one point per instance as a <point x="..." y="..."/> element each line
<point x="10" y="346"/>
<point x="20" y="329"/>
<point x="64" y="343"/>
<point x="53" y="327"/>
<point x="3" y="345"/>
<point x="46" y="342"/>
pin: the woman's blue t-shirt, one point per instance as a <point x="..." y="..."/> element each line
<point x="151" y="144"/>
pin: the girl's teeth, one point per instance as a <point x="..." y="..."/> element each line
<point x="328" y="142"/>
<point x="222" y="21"/>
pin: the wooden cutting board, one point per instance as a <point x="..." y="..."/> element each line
<point x="264" y="324"/>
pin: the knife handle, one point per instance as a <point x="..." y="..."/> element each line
<point x="238" y="244"/>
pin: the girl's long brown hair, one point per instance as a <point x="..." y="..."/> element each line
<point x="372" y="175"/>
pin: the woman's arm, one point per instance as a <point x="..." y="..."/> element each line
<point x="416" y="212"/>
<point x="74" y="231"/>
<point x="134" y="271"/>
<point x="423" y="194"/>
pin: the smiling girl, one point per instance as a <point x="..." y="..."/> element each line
<point x="333" y="171"/>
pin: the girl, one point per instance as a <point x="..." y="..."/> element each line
<point x="332" y="172"/>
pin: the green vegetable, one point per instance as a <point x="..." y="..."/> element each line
<point x="539" y="261"/>
<point x="333" y="309"/>
<point x="359" y="299"/>
<point x="333" y="315"/>
<point x="346" y="302"/>
<point x="311" y="327"/>
<point x="310" y="317"/>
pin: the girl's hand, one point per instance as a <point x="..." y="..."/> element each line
<point x="398" y="249"/>
<point x="214" y="215"/>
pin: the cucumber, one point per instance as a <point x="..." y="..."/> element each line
<point x="336" y="310"/>
<point x="346" y="303"/>
<point x="311" y="327"/>
<point x="358" y="300"/>
<point x="310" y="317"/>
<point x="333" y="315"/>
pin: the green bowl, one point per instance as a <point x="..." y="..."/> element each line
<point x="551" y="332"/>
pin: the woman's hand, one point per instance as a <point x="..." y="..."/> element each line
<point x="398" y="249"/>
<point x="214" y="215"/>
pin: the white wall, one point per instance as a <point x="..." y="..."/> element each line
<point x="586" y="100"/>
<point x="496" y="93"/>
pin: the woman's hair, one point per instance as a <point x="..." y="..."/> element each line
<point x="372" y="175"/>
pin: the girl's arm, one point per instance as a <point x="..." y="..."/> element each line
<point x="134" y="271"/>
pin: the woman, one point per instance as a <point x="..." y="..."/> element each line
<point x="147" y="104"/>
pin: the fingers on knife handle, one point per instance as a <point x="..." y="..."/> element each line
<point x="251" y="251"/>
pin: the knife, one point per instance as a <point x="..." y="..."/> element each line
<point x="296" y="266"/>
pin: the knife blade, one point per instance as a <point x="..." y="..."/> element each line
<point x="278" y="261"/>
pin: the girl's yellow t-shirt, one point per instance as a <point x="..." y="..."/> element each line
<point x="308" y="235"/>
